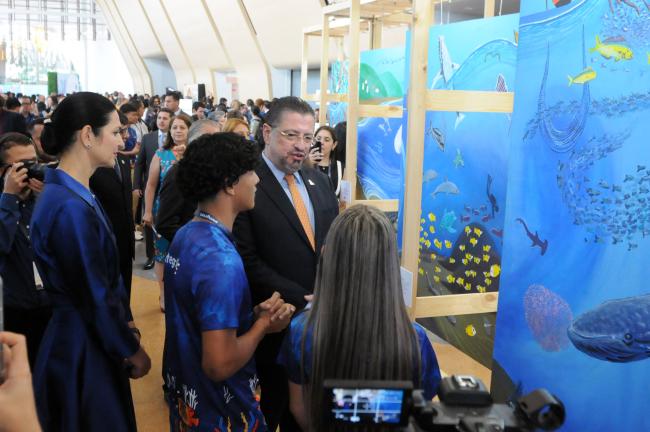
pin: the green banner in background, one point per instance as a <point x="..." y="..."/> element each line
<point x="52" y="82"/>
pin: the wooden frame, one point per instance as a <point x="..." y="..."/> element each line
<point x="350" y="18"/>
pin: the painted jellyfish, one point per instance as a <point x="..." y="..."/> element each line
<point x="548" y="316"/>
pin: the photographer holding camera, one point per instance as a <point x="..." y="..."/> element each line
<point x="25" y="304"/>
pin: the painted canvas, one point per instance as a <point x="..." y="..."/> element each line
<point x="381" y="76"/>
<point x="464" y="184"/>
<point x="574" y="307"/>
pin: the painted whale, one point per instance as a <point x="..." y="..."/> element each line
<point x="616" y="331"/>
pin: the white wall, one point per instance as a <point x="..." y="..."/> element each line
<point x="281" y="80"/>
<point x="162" y="74"/>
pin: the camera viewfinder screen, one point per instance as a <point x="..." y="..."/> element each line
<point x="365" y="406"/>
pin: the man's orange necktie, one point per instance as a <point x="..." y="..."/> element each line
<point x="301" y="209"/>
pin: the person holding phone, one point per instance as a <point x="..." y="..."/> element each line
<point x="91" y="346"/>
<point x="322" y="156"/>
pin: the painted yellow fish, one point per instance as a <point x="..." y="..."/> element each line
<point x="495" y="270"/>
<point x="461" y="247"/>
<point x="468" y="286"/>
<point x="488" y="281"/>
<point x="432" y="229"/>
<point x="486" y="258"/>
<point x="427" y="243"/>
<point x="583" y="77"/>
<point x="433" y="256"/>
<point x="432" y="217"/>
<point x="618" y="52"/>
<point x="480" y="288"/>
<point x="469" y="256"/>
<point x="477" y="260"/>
<point x="422" y="221"/>
<point x="468" y="230"/>
<point x="473" y="241"/>
<point x="436" y="278"/>
<point x="437" y="243"/>
<point x="447" y="244"/>
<point x="426" y="234"/>
<point x="437" y="269"/>
<point x="470" y="330"/>
<point x="472" y="273"/>
<point x="451" y="278"/>
<point x="467" y="273"/>
<point x="460" y="281"/>
<point x="452" y="260"/>
<point x="421" y="271"/>
<point x="478" y="232"/>
<point x="487" y="248"/>
<point x="421" y="239"/>
<point x="465" y="261"/>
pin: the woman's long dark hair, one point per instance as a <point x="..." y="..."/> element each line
<point x="360" y="326"/>
<point x="71" y="115"/>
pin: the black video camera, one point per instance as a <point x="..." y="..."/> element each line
<point x="465" y="405"/>
<point x="35" y="169"/>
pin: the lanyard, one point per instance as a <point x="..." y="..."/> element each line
<point x="212" y="219"/>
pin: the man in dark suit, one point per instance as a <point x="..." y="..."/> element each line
<point x="11" y="121"/>
<point x="151" y="142"/>
<point x="112" y="187"/>
<point x="281" y="238"/>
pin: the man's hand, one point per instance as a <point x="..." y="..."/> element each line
<point x="271" y="305"/>
<point x="139" y="364"/>
<point x="16" y="180"/>
<point x="17" y="406"/>
<point x="281" y="319"/>
<point x="36" y="185"/>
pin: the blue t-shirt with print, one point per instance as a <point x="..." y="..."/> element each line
<point x="206" y="289"/>
<point x="290" y="356"/>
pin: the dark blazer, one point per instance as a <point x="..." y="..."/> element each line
<point x="12" y="122"/>
<point x="174" y="210"/>
<point x="114" y="194"/>
<point x="274" y="247"/>
<point x="148" y="149"/>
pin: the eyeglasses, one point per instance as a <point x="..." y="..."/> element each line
<point x="294" y="137"/>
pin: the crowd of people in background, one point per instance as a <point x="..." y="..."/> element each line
<point x="260" y="277"/>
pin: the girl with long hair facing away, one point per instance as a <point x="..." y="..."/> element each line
<point x="358" y="327"/>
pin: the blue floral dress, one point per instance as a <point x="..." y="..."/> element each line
<point x="167" y="159"/>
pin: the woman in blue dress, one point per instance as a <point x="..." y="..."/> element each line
<point x="161" y="162"/>
<point x="358" y="327"/>
<point x="90" y="347"/>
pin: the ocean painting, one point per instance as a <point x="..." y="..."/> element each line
<point x="574" y="304"/>
<point x="381" y="76"/>
<point x="464" y="184"/>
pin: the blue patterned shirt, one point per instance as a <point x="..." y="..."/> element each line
<point x="206" y="289"/>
